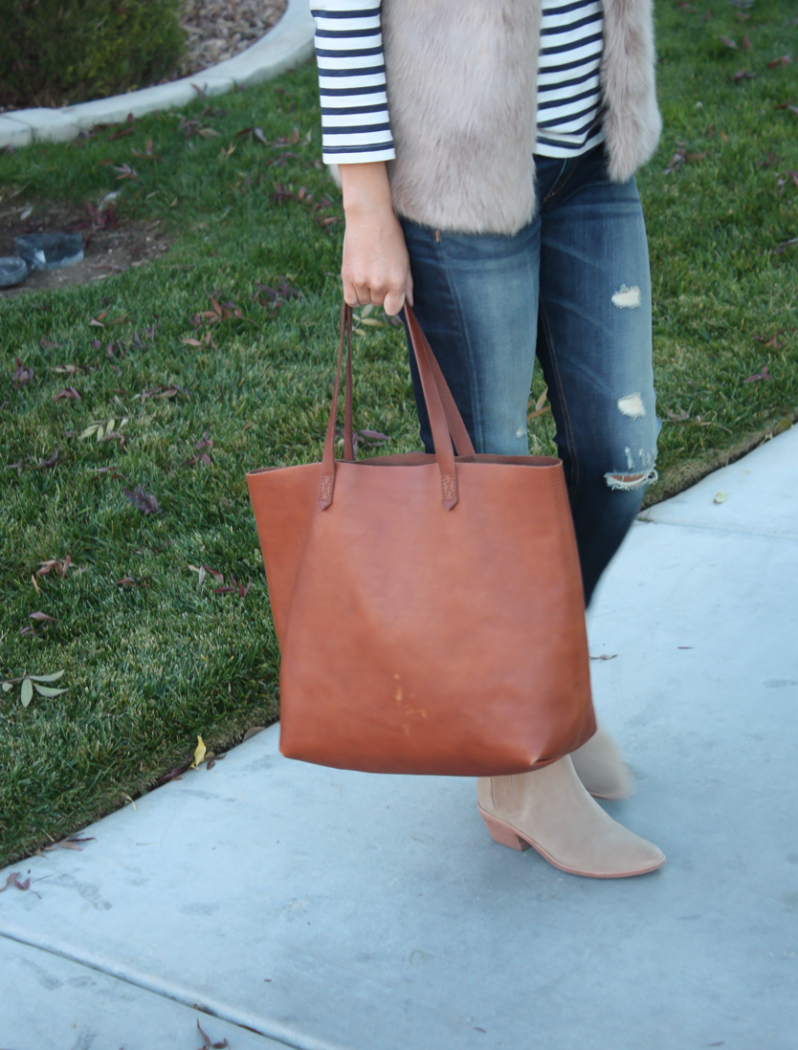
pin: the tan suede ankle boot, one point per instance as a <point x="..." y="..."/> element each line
<point x="550" y="809"/>
<point x="601" y="767"/>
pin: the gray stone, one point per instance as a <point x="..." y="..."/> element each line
<point x="50" y="251"/>
<point x="13" y="269"/>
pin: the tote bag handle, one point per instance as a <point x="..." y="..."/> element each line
<point x="445" y="419"/>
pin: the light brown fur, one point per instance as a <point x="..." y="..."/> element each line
<point x="462" y="98"/>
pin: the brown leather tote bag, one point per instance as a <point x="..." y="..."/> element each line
<point x="429" y="608"/>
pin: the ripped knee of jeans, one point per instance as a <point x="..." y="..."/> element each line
<point x="633" y="477"/>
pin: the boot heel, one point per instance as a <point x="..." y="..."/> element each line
<point x="503" y="833"/>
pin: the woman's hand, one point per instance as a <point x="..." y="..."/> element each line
<point x="376" y="266"/>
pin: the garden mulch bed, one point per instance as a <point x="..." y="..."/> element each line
<point x="220" y="29"/>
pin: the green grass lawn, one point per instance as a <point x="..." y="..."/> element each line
<point x="151" y="663"/>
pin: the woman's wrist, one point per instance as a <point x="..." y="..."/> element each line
<point x="366" y="191"/>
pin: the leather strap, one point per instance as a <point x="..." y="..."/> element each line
<point x="327" y="479"/>
<point x="462" y="442"/>
<point x="445" y="419"/>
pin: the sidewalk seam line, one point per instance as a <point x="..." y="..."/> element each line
<point x="717" y="528"/>
<point x="183" y="1000"/>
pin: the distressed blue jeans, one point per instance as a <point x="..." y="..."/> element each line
<point x="572" y="288"/>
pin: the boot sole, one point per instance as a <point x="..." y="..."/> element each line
<point x="506" y="835"/>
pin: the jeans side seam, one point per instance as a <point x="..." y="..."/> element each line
<point x="569" y="431"/>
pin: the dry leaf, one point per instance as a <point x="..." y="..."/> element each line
<point x="199" y="753"/>
<point x="720" y="497"/>
<point x="145" y="501"/>
<point x="206" y="1041"/>
<point x="252" y="731"/>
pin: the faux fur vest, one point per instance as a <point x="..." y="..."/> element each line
<point x="462" y="97"/>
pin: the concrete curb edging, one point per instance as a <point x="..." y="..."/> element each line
<point x="287" y="44"/>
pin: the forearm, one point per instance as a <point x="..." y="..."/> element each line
<point x="366" y="190"/>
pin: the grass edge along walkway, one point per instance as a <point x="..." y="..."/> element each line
<point x="151" y="656"/>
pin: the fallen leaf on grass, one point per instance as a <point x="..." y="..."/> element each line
<point x="783" y="246"/>
<point x="162" y="392"/>
<point x="151" y="550"/>
<point x="113" y="472"/>
<point x="728" y="42"/>
<point x="125" y="171"/>
<point x="135" y="581"/>
<point x="23" y="373"/>
<point x="148" y="154"/>
<point x="203" y="569"/>
<point x="770" y="340"/>
<point x="251" y="133"/>
<point x="69" y="392"/>
<point x="145" y="501"/>
<point x="31" y="682"/>
<point x="55" y="564"/>
<point x="192" y="342"/>
<point x="45" y="345"/>
<point x="763" y="374"/>
<point x="783" y="60"/>
<point x="70" y="369"/>
<point x="676" y="160"/>
<point x="234" y="587"/>
<point x="52" y="460"/>
<point x="206" y="1041"/>
<point x="742" y="74"/>
<point x="678" y="417"/>
<point x="539" y="405"/>
<point x="199" y="753"/>
<point x="204" y="459"/>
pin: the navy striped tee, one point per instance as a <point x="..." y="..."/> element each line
<point x="354" y="106"/>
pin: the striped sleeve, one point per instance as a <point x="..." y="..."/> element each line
<point x="354" y="106"/>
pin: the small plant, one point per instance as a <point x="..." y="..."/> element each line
<point x="57" y="51"/>
<point x="29" y="682"/>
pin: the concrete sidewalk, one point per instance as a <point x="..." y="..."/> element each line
<point x="319" y="909"/>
